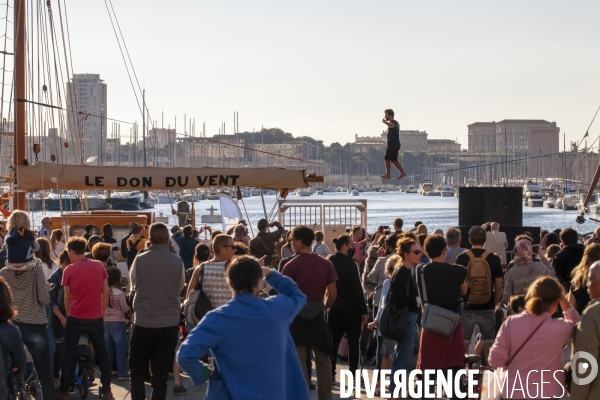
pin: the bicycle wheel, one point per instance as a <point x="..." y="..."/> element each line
<point x="84" y="389"/>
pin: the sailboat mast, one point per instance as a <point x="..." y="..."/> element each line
<point x="20" y="95"/>
<point x="144" y="123"/>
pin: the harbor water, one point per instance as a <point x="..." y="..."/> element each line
<point x="435" y="212"/>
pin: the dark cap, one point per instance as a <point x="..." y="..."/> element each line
<point x="262" y="223"/>
<point x="88" y="227"/>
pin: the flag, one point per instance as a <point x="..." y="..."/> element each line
<point x="230" y="212"/>
<point x="586" y="134"/>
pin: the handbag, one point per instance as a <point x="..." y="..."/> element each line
<point x="436" y="319"/>
<point x="311" y="309"/>
<point x="393" y="323"/>
<point x="197" y="305"/>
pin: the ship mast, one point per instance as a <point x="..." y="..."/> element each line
<point x="20" y="96"/>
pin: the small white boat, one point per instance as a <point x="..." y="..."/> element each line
<point x="211" y="218"/>
<point x="212" y="196"/>
<point x="447" y="191"/>
<point x="255" y="192"/>
<point x="411" y="189"/>
<point x="382" y="190"/>
<point x="245" y="192"/>
<point x="303" y="192"/>
<point x="569" y="203"/>
<point x="319" y="192"/>
<point x="162" y="218"/>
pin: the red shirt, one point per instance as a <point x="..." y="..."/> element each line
<point x="86" y="279"/>
<point x="312" y="273"/>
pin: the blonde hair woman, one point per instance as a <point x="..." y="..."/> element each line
<point x="57" y="244"/>
<point x="579" y="296"/>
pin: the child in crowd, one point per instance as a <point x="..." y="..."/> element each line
<point x="115" y="321"/>
<point x="517" y="304"/>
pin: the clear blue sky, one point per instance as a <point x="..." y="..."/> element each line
<point x="327" y="69"/>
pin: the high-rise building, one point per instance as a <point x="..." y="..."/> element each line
<point x="86" y="115"/>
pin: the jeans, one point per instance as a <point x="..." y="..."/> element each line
<point x="403" y="359"/>
<point x="115" y="337"/>
<point x="35" y="337"/>
<point x="323" y="366"/>
<point x="352" y="327"/>
<point x="51" y="339"/>
<point x="153" y="347"/>
<point x="94" y="328"/>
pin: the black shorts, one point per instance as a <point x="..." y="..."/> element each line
<point x="391" y="153"/>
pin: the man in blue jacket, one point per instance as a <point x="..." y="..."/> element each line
<point x="261" y="362"/>
<point x="187" y="246"/>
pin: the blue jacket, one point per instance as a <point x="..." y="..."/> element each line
<point x="13" y="355"/>
<point x="249" y="338"/>
<point x="187" y="248"/>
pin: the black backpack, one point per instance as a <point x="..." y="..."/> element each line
<point x="132" y="252"/>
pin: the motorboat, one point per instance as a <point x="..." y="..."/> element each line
<point x="447" y="191"/>
<point x="382" y="190"/>
<point x="63" y="201"/>
<point x="192" y="196"/>
<point x="531" y="186"/>
<point x="227" y="192"/>
<point x="33" y="201"/>
<point x="164" y="198"/>
<point x="95" y="200"/>
<point x="303" y="192"/>
<point x="569" y="202"/>
<point x="148" y="202"/>
<point x="245" y="192"/>
<point x="580" y="207"/>
<point x="212" y="196"/>
<point x="550" y="201"/>
<point x="411" y="189"/>
<point x="355" y="192"/>
<point x="534" y="199"/>
<point x="319" y="192"/>
<point x="425" y="188"/>
<point x="255" y="192"/>
<point x="211" y="218"/>
<point x="125" y="201"/>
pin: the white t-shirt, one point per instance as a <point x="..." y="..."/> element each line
<point x="49" y="270"/>
<point x="56" y="252"/>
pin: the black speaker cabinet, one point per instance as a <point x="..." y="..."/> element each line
<point x="478" y="205"/>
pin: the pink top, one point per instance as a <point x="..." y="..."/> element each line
<point x="543" y="351"/>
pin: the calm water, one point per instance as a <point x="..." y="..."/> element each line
<point x="382" y="208"/>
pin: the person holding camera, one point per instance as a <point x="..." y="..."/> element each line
<point x="240" y="234"/>
<point x="263" y="244"/>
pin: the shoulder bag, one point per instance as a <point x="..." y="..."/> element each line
<point x="394" y="323"/>
<point x="197" y="305"/>
<point x="436" y="319"/>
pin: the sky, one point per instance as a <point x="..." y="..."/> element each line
<point x="328" y="69"/>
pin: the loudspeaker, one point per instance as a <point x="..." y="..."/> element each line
<point x="478" y="205"/>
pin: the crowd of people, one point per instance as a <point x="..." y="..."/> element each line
<point x="251" y="315"/>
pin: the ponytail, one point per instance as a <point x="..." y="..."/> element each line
<point x="542" y="294"/>
<point x="341" y="240"/>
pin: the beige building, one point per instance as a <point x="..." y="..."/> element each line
<point x="411" y="141"/>
<point x="518" y="138"/>
<point x="442" y="146"/>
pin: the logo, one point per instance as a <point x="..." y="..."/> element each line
<point x="587" y="365"/>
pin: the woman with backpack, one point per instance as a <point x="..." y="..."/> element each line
<point x="532" y="342"/>
<point x="525" y="271"/>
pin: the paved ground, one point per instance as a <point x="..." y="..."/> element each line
<point x="120" y="389"/>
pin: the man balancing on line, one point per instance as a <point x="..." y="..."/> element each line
<point x="393" y="145"/>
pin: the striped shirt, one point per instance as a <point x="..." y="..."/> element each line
<point x="321" y="249"/>
<point x="215" y="285"/>
<point x="117" y="307"/>
<point x="29" y="290"/>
